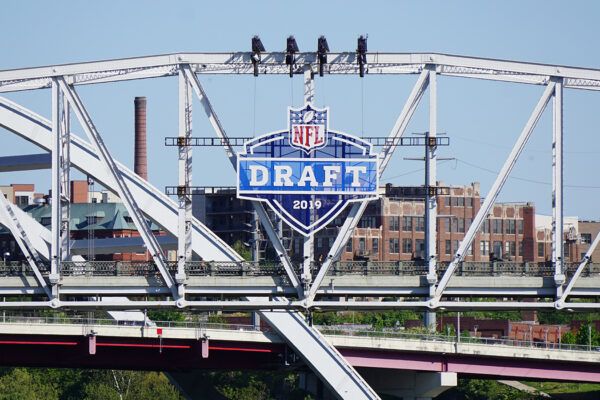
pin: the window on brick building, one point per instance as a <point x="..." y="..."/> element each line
<point x="540" y="249"/>
<point x="469" y="202"/>
<point x="447" y="222"/>
<point x="394" y="246"/>
<point x="484" y="247"/>
<point x="448" y="249"/>
<point x="349" y="246"/>
<point x="497" y="223"/>
<point x="455" y="246"/>
<point x="520" y="226"/>
<point x="406" y="245"/>
<point x="485" y="227"/>
<point x="368" y="221"/>
<point x="455" y="201"/>
<point x="586" y="238"/>
<point x="361" y="245"/>
<point x="461" y="201"/>
<point x="510" y="249"/>
<point x="510" y="226"/>
<point x="520" y="249"/>
<point x="497" y="249"/>
<point x="420" y="224"/>
<point x="461" y="225"/>
<point x="420" y="248"/>
<point x="407" y="224"/>
<point x="447" y="201"/>
<point x="566" y="252"/>
<point x="455" y="225"/>
<point x="375" y="245"/>
<point x="394" y="223"/>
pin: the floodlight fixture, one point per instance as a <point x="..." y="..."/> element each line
<point x="291" y="50"/>
<point x="257" y="48"/>
<point x="322" y="50"/>
<point x="361" y="54"/>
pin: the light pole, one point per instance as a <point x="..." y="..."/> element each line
<point x="6" y="255"/>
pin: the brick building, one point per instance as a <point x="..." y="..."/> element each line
<point x="93" y="216"/>
<point x="393" y="229"/>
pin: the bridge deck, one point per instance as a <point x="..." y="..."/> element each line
<point x="266" y="349"/>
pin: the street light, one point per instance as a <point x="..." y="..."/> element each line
<point x="6" y="255"/>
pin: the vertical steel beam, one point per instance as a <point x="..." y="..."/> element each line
<point x="490" y="199"/>
<point x="308" y="247"/>
<point x="56" y="214"/>
<point x="184" y="238"/>
<point x="558" y="251"/>
<point x="358" y="209"/>
<point x="232" y="155"/>
<point x="122" y="189"/>
<point x="431" y="195"/>
<point x="65" y="179"/>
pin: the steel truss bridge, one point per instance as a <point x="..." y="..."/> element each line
<point x="54" y="278"/>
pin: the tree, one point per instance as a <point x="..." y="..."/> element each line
<point x="19" y="384"/>
<point x="583" y="335"/>
<point x="242" y="250"/>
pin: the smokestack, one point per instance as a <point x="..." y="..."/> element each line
<point x="140" y="161"/>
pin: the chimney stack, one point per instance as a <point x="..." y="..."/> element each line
<point x="140" y="161"/>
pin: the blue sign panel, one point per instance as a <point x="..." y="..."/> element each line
<point x="308" y="173"/>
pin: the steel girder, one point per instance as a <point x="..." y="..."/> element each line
<point x="274" y="63"/>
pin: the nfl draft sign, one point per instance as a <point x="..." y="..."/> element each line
<point x="308" y="173"/>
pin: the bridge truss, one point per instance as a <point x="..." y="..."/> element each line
<point x="298" y="288"/>
<point x="57" y="279"/>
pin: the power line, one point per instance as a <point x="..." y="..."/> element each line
<point x="524" y="179"/>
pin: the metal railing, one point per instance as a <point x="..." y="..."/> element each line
<point x="252" y="268"/>
<point x="389" y="333"/>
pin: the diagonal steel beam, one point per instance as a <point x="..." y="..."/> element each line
<point x="8" y="215"/>
<point x="560" y="303"/>
<point x="232" y="155"/>
<point x="359" y="208"/>
<point x="122" y="189"/>
<point x="490" y="199"/>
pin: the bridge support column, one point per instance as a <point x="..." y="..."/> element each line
<point x="409" y="385"/>
<point x="184" y="238"/>
<point x="558" y="251"/>
<point x="431" y="199"/>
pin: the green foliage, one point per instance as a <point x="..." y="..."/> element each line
<point x="20" y="383"/>
<point x="379" y="320"/>
<point x="264" y="385"/>
<point x="165" y="315"/>
<point x="74" y="384"/>
<point x="242" y="250"/>
<point x="568" y="338"/>
<point x="583" y="335"/>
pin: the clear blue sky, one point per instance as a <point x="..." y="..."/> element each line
<point x="483" y="119"/>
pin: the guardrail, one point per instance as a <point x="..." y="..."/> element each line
<point x="252" y="268"/>
<point x="326" y="330"/>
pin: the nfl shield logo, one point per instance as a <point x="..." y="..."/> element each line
<point x="308" y="128"/>
<point x="308" y="173"/>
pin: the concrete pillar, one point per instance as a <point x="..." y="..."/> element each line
<point x="409" y="385"/>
